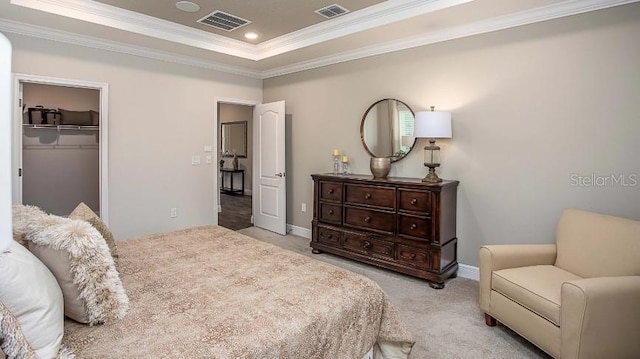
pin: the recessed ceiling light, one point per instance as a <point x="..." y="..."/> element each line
<point x="251" y="35"/>
<point x="187" y="6"/>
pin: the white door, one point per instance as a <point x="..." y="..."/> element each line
<point x="269" y="186"/>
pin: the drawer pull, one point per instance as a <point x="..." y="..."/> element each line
<point x="331" y="237"/>
<point x="413" y="256"/>
<point x="330" y="211"/>
<point x="330" y="191"/>
<point x="414" y="201"/>
<point x="414" y="226"/>
<point x="367" y="219"/>
<point x="367" y="196"/>
<point x="366" y="245"/>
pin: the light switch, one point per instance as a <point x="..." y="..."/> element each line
<point x="209" y="159"/>
<point x="195" y="160"/>
<point x="208" y="148"/>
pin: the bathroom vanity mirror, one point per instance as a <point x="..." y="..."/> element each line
<point x="234" y="138"/>
<point x="387" y="129"/>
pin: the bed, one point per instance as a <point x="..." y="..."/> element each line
<point x="210" y="292"/>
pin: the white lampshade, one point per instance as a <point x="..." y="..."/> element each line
<point x="432" y="124"/>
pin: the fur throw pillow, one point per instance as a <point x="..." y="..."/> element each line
<point x="79" y="258"/>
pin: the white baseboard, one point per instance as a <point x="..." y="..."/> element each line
<point x="299" y="231"/>
<point x="464" y="270"/>
<point x="470" y="272"/>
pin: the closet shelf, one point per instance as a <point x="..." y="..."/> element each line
<point x="62" y="127"/>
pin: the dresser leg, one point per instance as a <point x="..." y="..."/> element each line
<point x="454" y="275"/>
<point x="436" y="285"/>
<point x="316" y="251"/>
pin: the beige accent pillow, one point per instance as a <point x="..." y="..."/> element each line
<point x="25" y="217"/>
<point x="31" y="294"/>
<point x="79" y="258"/>
<point x="83" y="212"/>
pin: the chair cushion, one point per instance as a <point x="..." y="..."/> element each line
<point x="595" y="245"/>
<point x="536" y="288"/>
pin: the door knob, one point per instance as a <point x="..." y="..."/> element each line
<point x="281" y="174"/>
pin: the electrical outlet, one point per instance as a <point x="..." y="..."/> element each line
<point x="303" y="207"/>
<point x="174" y="212"/>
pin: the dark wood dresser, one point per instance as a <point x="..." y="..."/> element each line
<point x="402" y="224"/>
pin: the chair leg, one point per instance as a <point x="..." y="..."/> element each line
<point x="489" y="320"/>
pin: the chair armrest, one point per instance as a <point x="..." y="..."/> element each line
<point x="600" y="318"/>
<point x="502" y="256"/>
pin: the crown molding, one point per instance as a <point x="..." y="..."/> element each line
<point x="554" y="11"/>
<point x="374" y="16"/>
<point x="381" y="14"/>
<point x="19" y="28"/>
<point x="111" y="16"/>
<point x="550" y="12"/>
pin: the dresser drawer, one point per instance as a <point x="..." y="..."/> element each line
<point x="415" y="201"/>
<point x="384" y="197"/>
<point x="331" y="213"/>
<point x="414" y="226"/>
<point x="370" y="219"/>
<point x="331" y="191"/>
<point x="367" y="245"/>
<point x="414" y="256"/>
<point x="329" y="236"/>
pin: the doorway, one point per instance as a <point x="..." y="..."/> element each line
<point x="235" y="148"/>
<point x="60" y="144"/>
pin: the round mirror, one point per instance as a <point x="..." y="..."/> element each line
<point x="387" y="129"/>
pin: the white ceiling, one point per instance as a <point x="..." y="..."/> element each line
<point x="155" y="29"/>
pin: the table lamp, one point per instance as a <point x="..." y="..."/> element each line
<point x="432" y="124"/>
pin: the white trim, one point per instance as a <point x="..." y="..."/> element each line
<point x="381" y="14"/>
<point x="41" y="32"/>
<point x="5" y="143"/>
<point x="550" y="12"/>
<point x="377" y="15"/>
<point x="299" y="231"/>
<point x="216" y="175"/>
<point x="467" y="271"/>
<point x="104" y="133"/>
<point x="118" y="18"/>
<point x="527" y="17"/>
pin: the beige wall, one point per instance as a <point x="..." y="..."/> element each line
<point x="533" y="108"/>
<point x="160" y="114"/>
<point x="236" y="113"/>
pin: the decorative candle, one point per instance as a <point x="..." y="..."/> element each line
<point x="345" y="159"/>
<point x="336" y="152"/>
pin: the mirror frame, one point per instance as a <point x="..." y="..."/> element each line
<point x="364" y="117"/>
<point x="244" y="123"/>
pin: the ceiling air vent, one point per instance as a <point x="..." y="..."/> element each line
<point x="223" y="21"/>
<point x="332" y="11"/>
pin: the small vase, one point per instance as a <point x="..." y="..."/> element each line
<point x="235" y="161"/>
<point x="380" y="166"/>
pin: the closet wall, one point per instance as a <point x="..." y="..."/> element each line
<point x="60" y="166"/>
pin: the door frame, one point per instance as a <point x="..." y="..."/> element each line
<point x="216" y="171"/>
<point x="103" y="147"/>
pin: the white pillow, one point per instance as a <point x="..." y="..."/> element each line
<point x="30" y="292"/>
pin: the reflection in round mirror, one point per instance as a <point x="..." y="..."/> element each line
<point x="387" y="129"/>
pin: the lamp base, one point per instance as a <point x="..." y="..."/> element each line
<point x="432" y="176"/>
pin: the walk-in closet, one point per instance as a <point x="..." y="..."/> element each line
<point x="60" y="147"/>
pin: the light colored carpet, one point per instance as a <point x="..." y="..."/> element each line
<point x="445" y="323"/>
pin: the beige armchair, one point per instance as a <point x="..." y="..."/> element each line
<point x="578" y="298"/>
